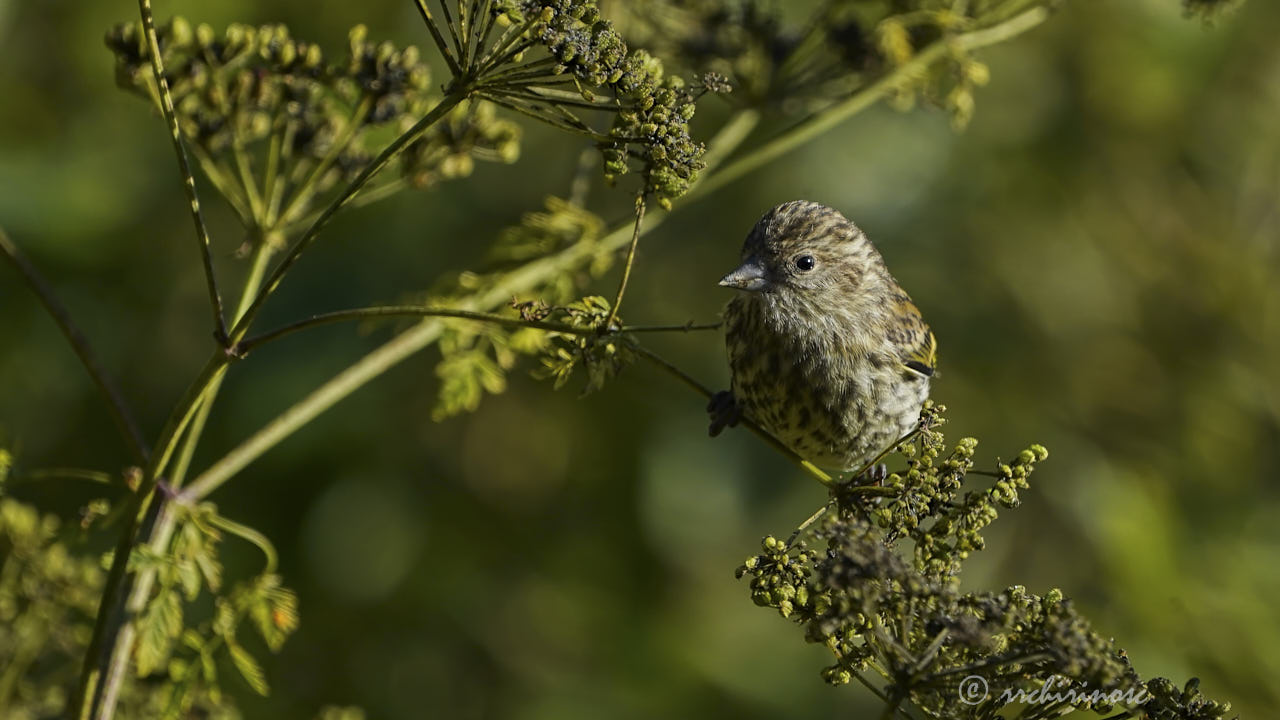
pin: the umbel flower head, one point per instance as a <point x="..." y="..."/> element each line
<point x="882" y="591"/>
<point x="273" y="122"/>
<point x="650" y="109"/>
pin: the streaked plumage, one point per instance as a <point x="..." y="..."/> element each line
<point x="834" y="360"/>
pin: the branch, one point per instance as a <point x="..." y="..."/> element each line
<point x="436" y="37"/>
<point x="626" y="269"/>
<point x="751" y="425"/>
<point x="822" y="121"/>
<point x="119" y="409"/>
<point x="418" y="311"/>
<point x="188" y="181"/>
<point x="534" y="273"/>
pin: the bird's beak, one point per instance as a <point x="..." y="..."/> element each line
<point x="749" y="276"/>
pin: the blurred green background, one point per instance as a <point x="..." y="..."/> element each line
<point x="1099" y="256"/>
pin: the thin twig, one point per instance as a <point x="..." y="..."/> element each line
<point x="374" y="194"/>
<point x="626" y="268"/>
<point x="65" y="473"/>
<point x="690" y="326"/>
<point x="447" y="103"/>
<point x="418" y="311"/>
<point x="303" y="194"/>
<point x="423" y="334"/>
<point x="832" y="116"/>
<point x="509" y="102"/>
<point x="188" y="181"/>
<point x="765" y="435"/>
<point x="119" y="409"/>
<point x="482" y="34"/>
<point x="453" y="31"/>
<point x="253" y="280"/>
<point x="795" y="534"/>
<point x="441" y="45"/>
<point x="244" y="532"/>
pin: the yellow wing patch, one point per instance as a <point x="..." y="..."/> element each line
<point x="917" y="345"/>
<point x="924" y="357"/>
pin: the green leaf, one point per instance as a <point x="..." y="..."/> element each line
<point x="275" y="613"/>
<point x="159" y="627"/>
<point x="249" y="668"/>
<point x="224" y="619"/>
<point x="210" y="569"/>
<point x="464" y="378"/>
<point x="189" y="578"/>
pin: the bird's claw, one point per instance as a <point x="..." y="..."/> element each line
<point x="876" y="474"/>
<point x="724" y="412"/>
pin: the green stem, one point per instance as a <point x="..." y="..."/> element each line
<point x="423" y="334"/>
<point x="453" y="30"/>
<point x="272" y="173"/>
<point x="454" y="96"/>
<point x="491" y="60"/>
<point x="825" y="120"/>
<point x="438" y="39"/>
<point x="116" y="404"/>
<point x="687" y="327"/>
<point x="508" y="101"/>
<point x="217" y="173"/>
<point x="67" y="473"/>
<point x="303" y="194"/>
<point x="161" y="526"/>
<point x="760" y="432"/>
<point x="113" y="633"/>
<point x="257" y="269"/>
<point x="151" y="518"/>
<point x="419" y="311"/>
<point x="244" y="532"/>
<point x="368" y="197"/>
<point x="626" y="268"/>
<point x="179" y="149"/>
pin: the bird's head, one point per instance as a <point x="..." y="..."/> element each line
<point x="806" y="250"/>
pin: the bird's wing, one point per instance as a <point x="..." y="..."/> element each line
<point x="917" y="347"/>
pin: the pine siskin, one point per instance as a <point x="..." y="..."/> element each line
<point x="827" y="352"/>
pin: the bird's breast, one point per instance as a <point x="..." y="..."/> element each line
<point x="830" y="397"/>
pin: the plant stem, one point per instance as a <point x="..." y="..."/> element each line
<point x="257" y="269"/>
<point x="825" y="120"/>
<point x="151" y="518"/>
<point x="116" y="404"/>
<point x="419" y="311"/>
<point x="532" y="274"/>
<point x="687" y="327"/>
<point x="66" y="473"/>
<point x="454" y="96"/>
<point x="418" y="337"/>
<point x="112" y="641"/>
<point x="179" y="149"/>
<point x="157" y="528"/>
<point x="438" y="39"/>
<point x="304" y="193"/>
<point x="244" y="532"/>
<point x="626" y="268"/>
<point x="160" y="529"/>
<point x="760" y="432"/>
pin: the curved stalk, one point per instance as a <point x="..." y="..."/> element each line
<point x="119" y="409"/>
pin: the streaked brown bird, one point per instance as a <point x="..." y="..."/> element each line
<point x="827" y="351"/>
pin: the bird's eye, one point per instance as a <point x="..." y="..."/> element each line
<point x="805" y="263"/>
